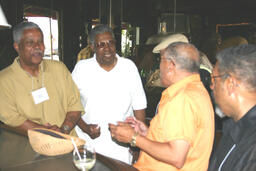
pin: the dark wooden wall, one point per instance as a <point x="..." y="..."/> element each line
<point x="76" y="14"/>
<point x="73" y="15"/>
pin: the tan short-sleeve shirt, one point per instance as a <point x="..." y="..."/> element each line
<point x="17" y="104"/>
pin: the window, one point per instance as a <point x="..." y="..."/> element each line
<point x="47" y="20"/>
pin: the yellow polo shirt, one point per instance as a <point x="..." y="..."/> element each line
<point x="185" y="113"/>
<point x="16" y="101"/>
<point x="85" y="53"/>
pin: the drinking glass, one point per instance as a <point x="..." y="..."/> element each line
<point x="88" y="157"/>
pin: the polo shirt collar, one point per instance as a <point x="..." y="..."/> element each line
<point x="16" y="66"/>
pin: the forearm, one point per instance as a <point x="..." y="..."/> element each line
<point x="166" y="152"/>
<point x="22" y="129"/>
<point x="82" y="125"/>
<point x="70" y="121"/>
<point x="140" y="115"/>
<point x="93" y="130"/>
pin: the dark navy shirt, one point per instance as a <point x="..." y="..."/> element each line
<point x="237" y="148"/>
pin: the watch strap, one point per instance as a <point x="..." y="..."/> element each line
<point x="133" y="141"/>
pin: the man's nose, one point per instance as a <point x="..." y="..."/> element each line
<point x="37" y="44"/>
<point x="107" y="46"/>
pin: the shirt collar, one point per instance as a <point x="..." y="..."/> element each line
<point x="94" y="56"/>
<point x="176" y="87"/>
<point x="243" y="127"/>
<point x="95" y="60"/>
<point x="17" y="66"/>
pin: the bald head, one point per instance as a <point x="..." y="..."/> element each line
<point x="184" y="55"/>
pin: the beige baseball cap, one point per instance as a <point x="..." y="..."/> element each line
<point x="168" y="40"/>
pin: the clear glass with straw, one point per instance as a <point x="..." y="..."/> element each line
<point x="84" y="157"/>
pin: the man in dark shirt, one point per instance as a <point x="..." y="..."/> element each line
<point x="234" y="89"/>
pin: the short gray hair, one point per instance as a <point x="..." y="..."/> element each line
<point x="99" y="29"/>
<point x="241" y="62"/>
<point x="190" y="62"/>
<point x="19" y="28"/>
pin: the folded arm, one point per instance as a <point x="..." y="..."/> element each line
<point x="70" y="120"/>
<point x="22" y="129"/>
<point x="172" y="152"/>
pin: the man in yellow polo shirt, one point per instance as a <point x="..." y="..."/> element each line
<point x="36" y="92"/>
<point x="180" y="136"/>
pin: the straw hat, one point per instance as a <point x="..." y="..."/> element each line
<point x="205" y="63"/>
<point x="168" y="40"/>
<point x="51" y="143"/>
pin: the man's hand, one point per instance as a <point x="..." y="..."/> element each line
<point x="52" y="127"/>
<point x="138" y="126"/>
<point x="23" y="128"/>
<point x="122" y="132"/>
<point x="93" y="130"/>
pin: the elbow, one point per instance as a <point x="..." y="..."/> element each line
<point x="179" y="163"/>
<point x="178" y="153"/>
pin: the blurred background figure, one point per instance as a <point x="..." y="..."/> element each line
<point x="205" y="71"/>
<point x="86" y="52"/>
<point x="232" y="41"/>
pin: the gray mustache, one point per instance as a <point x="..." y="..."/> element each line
<point x="39" y="51"/>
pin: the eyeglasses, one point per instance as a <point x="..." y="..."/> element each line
<point x="213" y="77"/>
<point x="167" y="59"/>
<point x="110" y="43"/>
<point x="162" y="59"/>
<point x="218" y="76"/>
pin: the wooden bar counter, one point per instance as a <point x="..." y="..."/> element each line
<point x="16" y="154"/>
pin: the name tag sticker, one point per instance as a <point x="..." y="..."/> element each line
<point x="40" y="95"/>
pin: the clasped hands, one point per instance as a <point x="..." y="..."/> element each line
<point x="124" y="131"/>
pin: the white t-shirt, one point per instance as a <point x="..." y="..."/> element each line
<point x="108" y="97"/>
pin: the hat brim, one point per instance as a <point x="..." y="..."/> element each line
<point x="168" y="40"/>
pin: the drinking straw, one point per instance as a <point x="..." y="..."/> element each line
<point x="76" y="150"/>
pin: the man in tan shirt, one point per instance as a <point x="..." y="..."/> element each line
<point x="37" y="92"/>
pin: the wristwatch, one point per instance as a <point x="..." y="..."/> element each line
<point x="65" y="129"/>
<point x="133" y="141"/>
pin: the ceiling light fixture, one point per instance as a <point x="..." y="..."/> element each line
<point x="3" y="21"/>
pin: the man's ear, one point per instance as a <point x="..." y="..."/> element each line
<point x="16" y="47"/>
<point x="231" y="84"/>
<point x="171" y="66"/>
